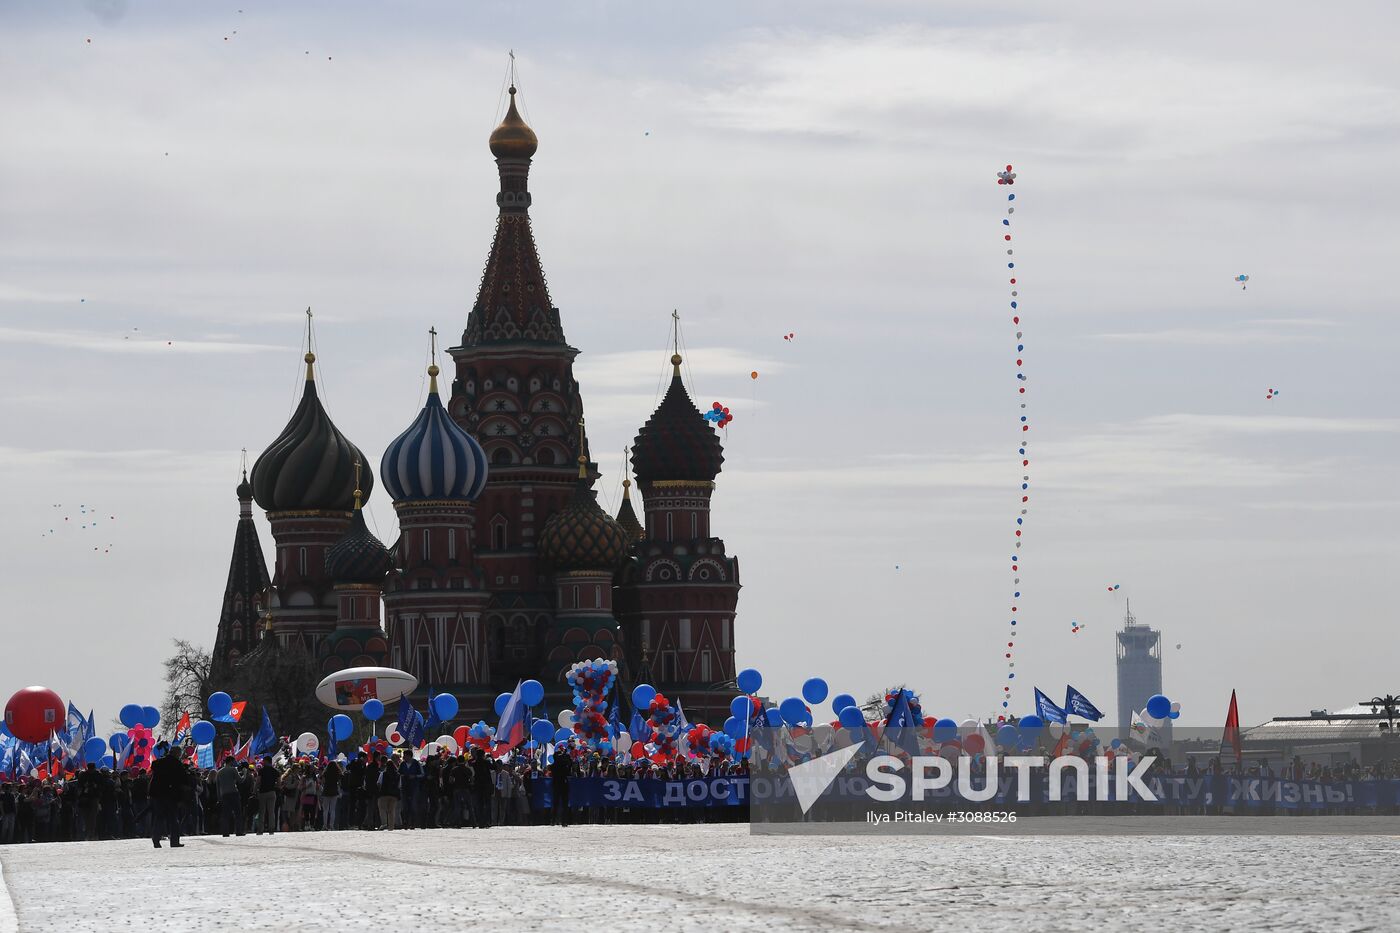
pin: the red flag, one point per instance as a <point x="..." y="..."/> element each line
<point x="235" y="713"/>
<point x="1061" y="745"/>
<point x="1231" y="735"/>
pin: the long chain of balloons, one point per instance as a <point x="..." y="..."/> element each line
<point x="1008" y="177"/>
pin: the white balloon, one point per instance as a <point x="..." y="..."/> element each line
<point x="623" y="740"/>
<point x="392" y="734"/>
<point x="566" y="719"/>
<point x="448" y="742"/>
<point x="967" y="727"/>
<point x="307" y="742"/>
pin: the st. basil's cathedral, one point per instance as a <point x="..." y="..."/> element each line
<point x="506" y="568"/>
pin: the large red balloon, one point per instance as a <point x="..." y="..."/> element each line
<point x="35" y="712"/>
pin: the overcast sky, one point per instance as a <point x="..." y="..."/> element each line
<point x="179" y="181"/>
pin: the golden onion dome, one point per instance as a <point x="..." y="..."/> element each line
<point x="513" y="139"/>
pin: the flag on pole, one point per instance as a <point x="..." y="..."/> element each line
<point x="1231" y="735"/>
<point x="1077" y="704"/>
<point x="266" y="739"/>
<point x="234" y="714"/>
<point x="182" y="729"/>
<point x="1046" y="709"/>
<point x="510" y="731"/>
<point x="410" y="723"/>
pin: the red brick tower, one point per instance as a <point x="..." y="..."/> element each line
<point x="514" y="390"/>
<point x="435" y="471"/>
<point x="677" y="596"/>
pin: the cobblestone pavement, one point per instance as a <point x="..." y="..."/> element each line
<point x="716" y="877"/>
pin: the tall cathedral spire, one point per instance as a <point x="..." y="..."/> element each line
<point x="247" y="579"/>
<point x="513" y="303"/>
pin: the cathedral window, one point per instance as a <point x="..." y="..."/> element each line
<point x="500" y="429"/>
<point x="646" y="634"/>
<point x="427" y="545"/>
<point x="575" y="597"/>
<point x="301" y="560"/>
<point x="501" y="457"/>
<point x="451" y="544"/>
<point x="670" y="527"/>
<point x="597" y="597"/>
<point x="668" y="667"/>
<point x="500" y="404"/>
<point x="545" y="456"/>
<point x="705" y="666"/>
<point x="694" y="525"/>
<point x="498" y="535"/>
<point x="684" y="638"/>
<point x="724" y="634"/>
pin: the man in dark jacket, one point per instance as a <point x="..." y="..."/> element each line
<point x="560" y="772"/>
<point x="483" y="787"/>
<point x="168" y="779"/>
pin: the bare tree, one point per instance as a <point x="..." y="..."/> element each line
<point x="187" y="684"/>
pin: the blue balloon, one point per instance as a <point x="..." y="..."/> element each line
<point x="1174" y="714"/>
<point x="563" y="735"/>
<point x="341" y="727"/>
<point x="773" y="717"/>
<point x="841" y="701"/>
<point x="794" y="711"/>
<point x="945" y="730"/>
<point x="1158" y="706"/>
<point x="150" y="717"/>
<point x="94" y="748"/>
<point x="734" y="727"/>
<point x="739" y="707"/>
<point x="108" y="762"/>
<point x="642" y="695"/>
<point x="1007" y="734"/>
<point x="202" y="732"/>
<point x="851" y="717"/>
<point x="532" y="692"/>
<point x="501" y="702"/>
<point x="542" y="729"/>
<point x="446" y="706"/>
<point x="119" y="741"/>
<point x="1115" y="743"/>
<point x="1031" y="723"/>
<point x="130" y="715"/>
<point x="814" y="690"/>
<point x="372" y="710"/>
<point x="219" y="704"/>
<point x="749" y="680"/>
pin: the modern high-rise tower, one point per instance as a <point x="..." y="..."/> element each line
<point x="1139" y="669"/>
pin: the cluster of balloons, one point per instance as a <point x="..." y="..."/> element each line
<point x="134" y="714"/>
<point x="1272" y="393"/>
<point x="478" y="735"/>
<point x="663" y="718"/>
<point x="1076" y="627"/>
<point x="1242" y="279"/>
<point x="1113" y="587"/>
<point x="142" y="744"/>
<point x="718" y="415"/>
<point x="789" y="337"/>
<point x="591" y="682"/>
<point x="1007" y="177"/>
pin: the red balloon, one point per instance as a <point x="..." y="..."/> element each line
<point x="638" y="750"/>
<point x="974" y="743"/>
<point x="460" y="734"/>
<point x="35" y="712"/>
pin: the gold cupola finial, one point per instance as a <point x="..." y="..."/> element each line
<point x="675" y="342"/>
<point x="432" y="365"/>
<point x="358" y="493"/>
<point x="513" y="139"/>
<point x="310" y="357"/>
<point x="626" y="476"/>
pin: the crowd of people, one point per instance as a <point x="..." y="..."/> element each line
<point x="396" y="790"/>
<point x="278" y="793"/>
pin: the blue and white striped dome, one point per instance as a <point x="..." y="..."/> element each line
<point x="434" y="458"/>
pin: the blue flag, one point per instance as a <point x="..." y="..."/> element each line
<point x="410" y="723"/>
<point x="265" y="740"/>
<point x="639" y="730"/>
<point x="1046" y="709"/>
<point x="902" y="719"/>
<point x="1077" y="704"/>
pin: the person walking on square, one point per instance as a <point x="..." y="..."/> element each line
<point x="389" y="795"/>
<point x="168" y="779"/>
<point x="230" y="798"/>
<point x="267" y="797"/>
